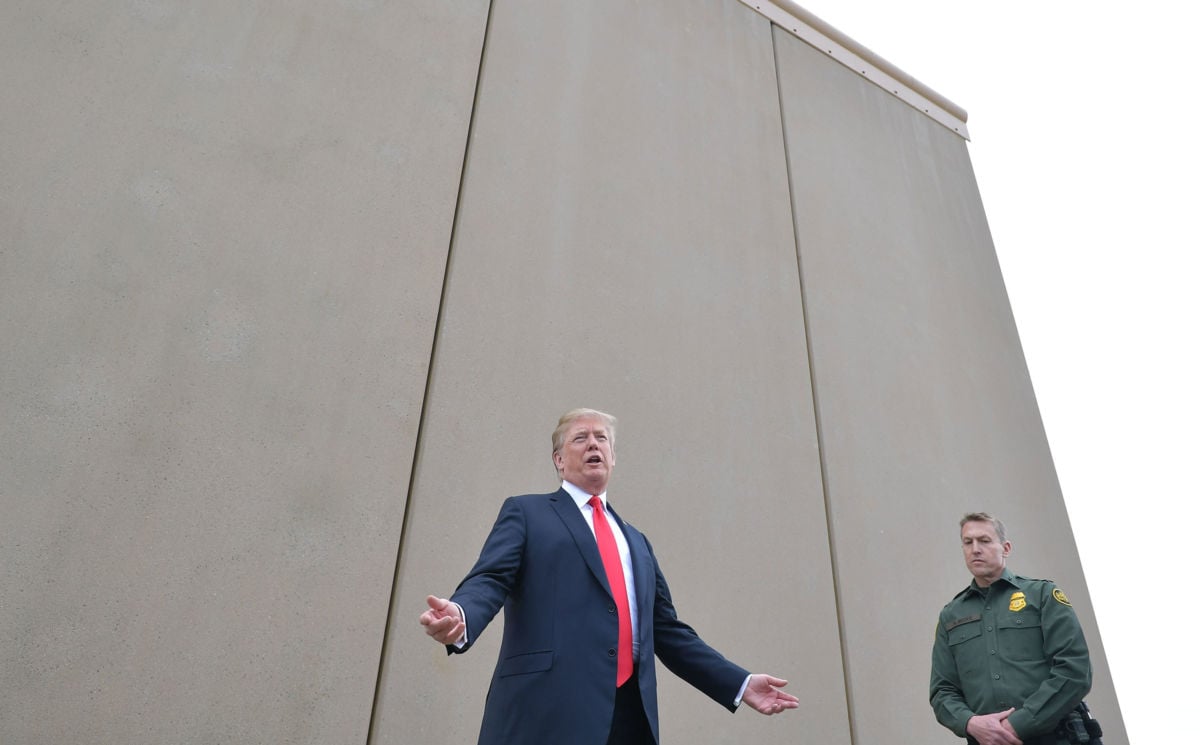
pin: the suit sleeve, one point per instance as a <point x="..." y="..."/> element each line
<point x="483" y="592"/>
<point x="1070" y="668"/>
<point x="687" y="655"/>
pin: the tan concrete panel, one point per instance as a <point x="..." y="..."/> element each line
<point x="223" y="231"/>
<point x="924" y="401"/>
<point x="625" y="243"/>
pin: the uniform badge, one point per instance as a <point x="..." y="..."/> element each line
<point x="1016" y="602"/>
<point x="1061" y="596"/>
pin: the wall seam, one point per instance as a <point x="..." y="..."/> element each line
<point x="812" y="377"/>
<point x="437" y="325"/>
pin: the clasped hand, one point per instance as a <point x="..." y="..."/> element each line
<point x="993" y="729"/>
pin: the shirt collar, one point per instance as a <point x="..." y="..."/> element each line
<point x="581" y="497"/>
<point x="1005" y="576"/>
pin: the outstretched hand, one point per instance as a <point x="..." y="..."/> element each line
<point x="763" y="694"/>
<point x="443" y="621"/>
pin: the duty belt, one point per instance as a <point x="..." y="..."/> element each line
<point x="1049" y="738"/>
<point x="1076" y="727"/>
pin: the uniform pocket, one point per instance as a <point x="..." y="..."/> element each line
<point x="1020" y="635"/>
<point x="965" y="632"/>
<point x="522" y="664"/>
<point x="966" y="644"/>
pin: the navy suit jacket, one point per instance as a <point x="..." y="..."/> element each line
<point x="555" y="680"/>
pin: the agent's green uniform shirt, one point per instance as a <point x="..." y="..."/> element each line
<point x="1013" y="644"/>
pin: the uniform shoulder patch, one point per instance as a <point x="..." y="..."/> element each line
<point x="1061" y="597"/>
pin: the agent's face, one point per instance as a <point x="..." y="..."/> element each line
<point x="586" y="456"/>
<point x="984" y="553"/>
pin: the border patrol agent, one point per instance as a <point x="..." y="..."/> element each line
<point x="1009" y="659"/>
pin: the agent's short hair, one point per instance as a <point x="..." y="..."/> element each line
<point x="565" y="421"/>
<point x="983" y="517"/>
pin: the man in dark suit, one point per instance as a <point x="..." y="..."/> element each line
<point x="576" y="663"/>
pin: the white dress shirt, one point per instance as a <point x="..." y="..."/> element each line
<point x="581" y="498"/>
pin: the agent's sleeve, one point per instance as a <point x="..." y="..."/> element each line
<point x="1070" y="668"/>
<point x="945" y="687"/>
<point x="483" y="592"/>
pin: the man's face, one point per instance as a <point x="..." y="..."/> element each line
<point x="586" y="456"/>
<point x="984" y="553"/>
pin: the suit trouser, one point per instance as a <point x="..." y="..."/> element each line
<point x="629" y="725"/>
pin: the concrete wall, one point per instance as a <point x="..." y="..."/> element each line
<point x="292" y="297"/>
<point x="225" y="230"/>
<point x="925" y="406"/>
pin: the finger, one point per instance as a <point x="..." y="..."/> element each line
<point x="446" y="627"/>
<point x="429" y="617"/>
<point x="777" y="682"/>
<point x="437" y="603"/>
<point x="788" y="698"/>
<point x="438" y="625"/>
<point x="452" y="634"/>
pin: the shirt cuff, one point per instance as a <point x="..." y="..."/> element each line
<point x="462" y="640"/>
<point x="741" y="692"/>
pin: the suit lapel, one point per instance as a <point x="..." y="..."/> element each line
<point x="572" y="518"/>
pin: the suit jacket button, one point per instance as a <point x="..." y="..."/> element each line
<point x="612" y="653"/>
<point x="612" y="609"/>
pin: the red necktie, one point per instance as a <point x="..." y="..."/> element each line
<point x="616" y="583"/>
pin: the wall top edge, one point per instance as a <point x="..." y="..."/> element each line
<point x="802" y="24"/>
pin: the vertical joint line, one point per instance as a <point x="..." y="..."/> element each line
<point x="462" y="177"/>
<point x="812" y="377"/>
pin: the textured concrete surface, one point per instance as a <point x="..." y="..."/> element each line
<point x="224" y="234"/>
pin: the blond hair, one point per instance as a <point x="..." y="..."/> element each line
<point x="565" y="421"/>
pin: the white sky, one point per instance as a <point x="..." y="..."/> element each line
<point x="1084" y="143"/>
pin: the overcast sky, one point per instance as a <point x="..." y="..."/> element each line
<point x="1084" y="143"/>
